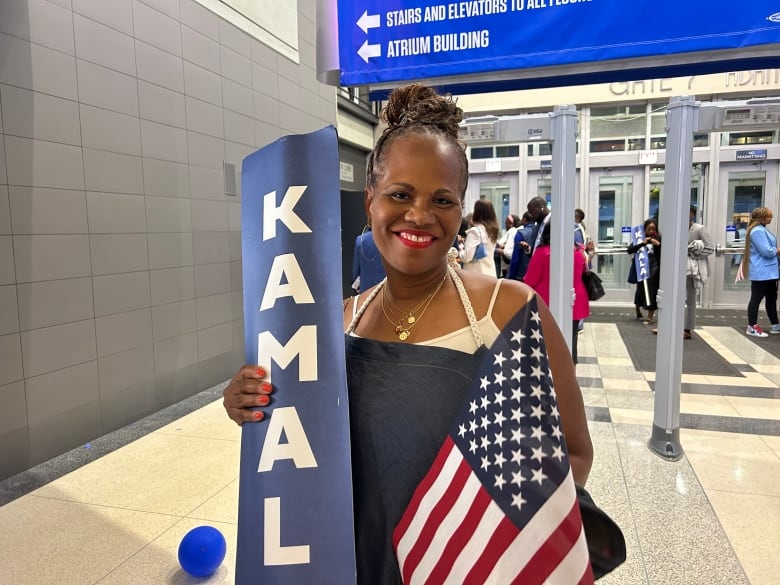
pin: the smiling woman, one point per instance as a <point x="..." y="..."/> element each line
<point x="417" y="346"/>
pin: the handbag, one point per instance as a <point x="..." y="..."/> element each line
<point x="606" y="544"/>
<point x="632" y="278"/>
<point x="479" y="251"/>
<point x="593" y="285"/>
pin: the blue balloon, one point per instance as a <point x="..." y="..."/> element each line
<point x="202" y="551"/>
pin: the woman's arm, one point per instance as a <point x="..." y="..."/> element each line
<point x="471" y="243"/>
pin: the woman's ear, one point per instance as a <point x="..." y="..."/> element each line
<point x="368" y="196"/>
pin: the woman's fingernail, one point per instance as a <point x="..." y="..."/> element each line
<point x="263" y="400"/>
<point x="258" y="415"/>
<point x="261" y="372"/>
<point x="266" y="387"/>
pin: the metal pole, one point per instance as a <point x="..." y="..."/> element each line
<point x="564" y="172"/>
<point x="681" y="119"/>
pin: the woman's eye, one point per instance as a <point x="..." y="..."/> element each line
<point x="444" y="201"/>
<point x="400" y="195"/>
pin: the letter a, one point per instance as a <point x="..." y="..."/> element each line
<point x="284" y="212"/>
<point x="297" y="447"/>
<point x="296" y="286"/>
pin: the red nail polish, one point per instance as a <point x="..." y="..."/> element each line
<point x="261" y="372"/>
<point x="258" y="415"/>
<point x="266" y="387"/>
<point x="263" y="400"/>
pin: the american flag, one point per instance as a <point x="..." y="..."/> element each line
<point x="499" y="505"/>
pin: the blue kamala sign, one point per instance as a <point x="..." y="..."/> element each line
<point x="382" y="41"/>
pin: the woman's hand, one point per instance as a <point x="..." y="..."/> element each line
<point x="247" y="390"/>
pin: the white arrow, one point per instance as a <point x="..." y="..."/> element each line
<point x="368" y="21"/>
<point x="367" y="51"/>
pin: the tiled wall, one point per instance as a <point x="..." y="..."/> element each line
<point x="120" y="254"/>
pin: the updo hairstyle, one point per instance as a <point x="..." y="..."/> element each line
<point x="418" y="109"/>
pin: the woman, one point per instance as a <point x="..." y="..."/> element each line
<point x="761" y="269"/>
<point x="483" y="231"/>
<point x="646" y="292"/>
<point x="538" y="277"/>
<point x="415" y="340"/>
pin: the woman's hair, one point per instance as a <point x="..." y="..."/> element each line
<point x="485" y="214"/>
<point x="418" y="109"/>
<point x="649" y="221"/>
<point x="758" y="215"/>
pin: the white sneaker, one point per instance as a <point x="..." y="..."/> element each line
<point x="775" y="329"/>
<point x="756" y="331"/>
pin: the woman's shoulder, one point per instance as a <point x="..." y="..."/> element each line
<point x="507" y="296"/>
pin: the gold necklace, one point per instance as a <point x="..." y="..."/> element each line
<point x="403" y="331"/>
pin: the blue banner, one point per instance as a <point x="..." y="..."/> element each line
<point x="295" y="521"/>
<point x="383" y="41"/>
<point x="641" y="258"/>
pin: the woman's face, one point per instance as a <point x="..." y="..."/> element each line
<point x="415" y="206"/>
<point x="651" y="231"/>
<point x="768" y="219"/>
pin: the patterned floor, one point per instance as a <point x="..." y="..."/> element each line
<point x="114" y="511"/>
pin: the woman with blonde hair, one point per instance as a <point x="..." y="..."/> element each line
<point x="481" y="238"/>
<point x="759" y="265"/>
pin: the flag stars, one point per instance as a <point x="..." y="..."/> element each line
<point x="498" y="440"/>
<point x="517" y="456"/>
<point x="473" y="406"/>
<point x="518" y="500"/>
<point x="499" y="460"/>
<point x="485" y="443"/>
<point x="500" y="378"/>
<point x="537" y="354"/>
<point x="536" y="335"/>
<point x="538" y="453"/>
<point x="538" y="476"/>
<point x="485" y="463"/>
<point x="557" y="453"/>
<point x="536" y="372"/>
<point x="556" y="432"/>
<point x="461" y="430"/>
<point x="485" y="402"/>
<point x="498" y="359"/>
<point x="484" y="383"/>
<point x="518" y="478"/>
<point x="518" y="435"/>
<point x="499" y="481"/>
<point x="537" y="412"/>
<point x="499" y="418"/>
<point x="535" y="317"/>
<point x="499" y="399"/>
<point x="537" y="433"/>
<point x="517" y="336"/>
<point x="536" y="391"/>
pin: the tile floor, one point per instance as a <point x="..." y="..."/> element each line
<point x="713" y="517"/>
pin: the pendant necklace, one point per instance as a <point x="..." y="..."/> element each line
<point x="402" y="327"/>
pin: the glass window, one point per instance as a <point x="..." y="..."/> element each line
<point x="636" y="144"/>
<point x="607" y="145"/>
<point x="615" y="200"/>
<point x="745" y="138"/>
<point x="481" y="152"/>
<point x="627" y="121"/>
<point x="701" y="140"/>
<point x="509" y="151"/>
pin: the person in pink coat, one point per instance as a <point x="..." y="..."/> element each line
<point x="538" y="277"/>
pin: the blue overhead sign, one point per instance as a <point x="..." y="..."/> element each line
<point x="382" y="41"/>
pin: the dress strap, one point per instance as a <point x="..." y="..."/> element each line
<point x="464" y="299"/>
<point x="357" y="315"/>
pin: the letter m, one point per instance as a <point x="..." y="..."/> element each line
<point x="303" y="344"/>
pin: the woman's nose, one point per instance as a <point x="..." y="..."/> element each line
<point x="419" y="214"/>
